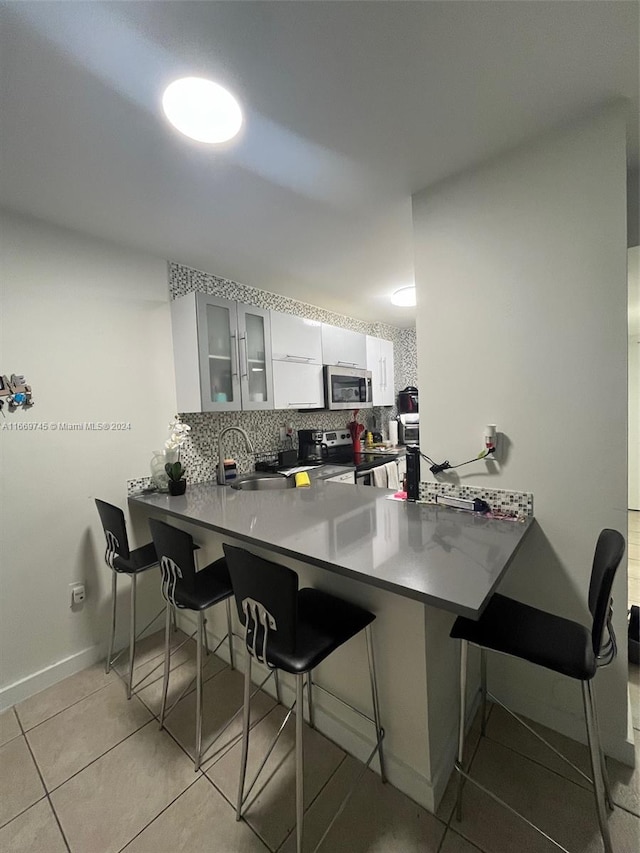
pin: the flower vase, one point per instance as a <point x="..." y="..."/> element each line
<point x="158" y="460"/>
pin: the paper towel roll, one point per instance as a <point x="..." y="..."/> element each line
<point x="393" y="432"/>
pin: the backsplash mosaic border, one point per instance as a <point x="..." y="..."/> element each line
<point x="137" y="484"/>
<point x="503" y="500"/>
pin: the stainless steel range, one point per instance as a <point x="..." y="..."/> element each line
<point x="316" y="445"/>
<point x="335" y="447"/>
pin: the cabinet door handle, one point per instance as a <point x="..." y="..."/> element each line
<point x="234" y="354"/>
<point x="299" y="405"/>
<point x="298" y="357"/>
<point x="244" y="371"/>
<point x="384" y="361"/>
<point x="381" y="375"/>
<point x="350" y="363"/>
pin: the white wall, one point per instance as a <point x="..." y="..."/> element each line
<point x="634" y="422"/>
<point x="521" y="321"/>
<point x="88" y="324"/>
<point x="634" y="376"/>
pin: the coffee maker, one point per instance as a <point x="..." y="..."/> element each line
<point x="408" y="417"/>
<point x="311" y="446"/>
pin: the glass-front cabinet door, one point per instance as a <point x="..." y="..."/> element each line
<point x="218" y="346"/>
<point x="254" y="357"/>
<point x="234" y="343"/>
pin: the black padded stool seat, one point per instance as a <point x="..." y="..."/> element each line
<point x="211" y="585"/>
<point x="517" y="629"/>
<point x="558" y="644"/>
<point x="324" y="624"/>
<point x="123" y="561"/>
<point x="138" y="561"/>
<point x="188" y="589"/>
<point x="293" y="630"/>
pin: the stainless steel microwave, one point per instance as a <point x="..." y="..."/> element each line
<point x="347" y="388"/>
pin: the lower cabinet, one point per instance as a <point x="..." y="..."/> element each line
<point x="348" y="477"/>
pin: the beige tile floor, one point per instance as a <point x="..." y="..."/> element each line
<point x="83" y="770"/>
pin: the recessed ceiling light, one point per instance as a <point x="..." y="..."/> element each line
<point x="405" y="296"/>
<point x="202" y="110"/>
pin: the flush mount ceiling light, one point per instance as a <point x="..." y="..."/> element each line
<point x="202" y="110"/>
<point x="405" y="297"/>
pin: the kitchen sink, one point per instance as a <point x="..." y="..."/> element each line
<point x="252" y="483"/>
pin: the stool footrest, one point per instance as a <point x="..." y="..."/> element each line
<point x="513" y="811"/>
<point x="360" y="713"/>
<point x="349" y="793"/>
<point x="539" y="736"/>
<point x="111" y="662"/>
<point x="223" y="728"/>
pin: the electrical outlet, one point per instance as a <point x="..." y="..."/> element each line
<point x="78" y="594"/>
<point x="283" y="433"/>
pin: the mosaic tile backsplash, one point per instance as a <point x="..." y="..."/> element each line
<point x="199" y="455"/>
<point x="502" y="500"/>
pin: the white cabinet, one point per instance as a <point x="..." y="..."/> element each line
<point x="297" y="386"/>
<point x="343" y="347"/>
<point x="297" y="362"/>
<point x="347" y="477"/>
<point x="222" y="355"/>
<point x="295" y="339"/>
<point x="380" y="363"/>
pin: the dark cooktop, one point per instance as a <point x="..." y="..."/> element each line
<point x="364" y="461"/>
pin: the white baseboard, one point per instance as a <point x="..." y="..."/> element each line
<point x="32" y="684"/>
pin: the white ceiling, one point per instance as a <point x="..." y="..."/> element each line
<point x="349" y="107"/>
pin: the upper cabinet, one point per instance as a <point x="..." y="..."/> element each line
<point x="297" y="362"/>
<point x="295" y="339"/>
<point x="343" y="347"/>
<point x="222" y="355"/>
<point x="380" y="363"/>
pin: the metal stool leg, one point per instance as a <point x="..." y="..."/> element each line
<point x="276" y="676"/>
<point x="603" y="765"/>
<point x="132" y="634"/>
<point x="374" y="697"/>
<point x="230" y="634"/>
<point x="595" y="752"/>
<point x="483" y="691"/>
<point x="205" y="638"/>
<point x="299" y="762"/>
<point x="246" y="719"/>
<point x="464" y="648"/>
<point x="310" y="699"/>
<point x="174" y="617"/>
<point x="114" y="595"/>
<point x="198" y="744"/>
<point x="167" y="659"/>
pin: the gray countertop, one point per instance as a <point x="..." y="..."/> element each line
<point x="449" y="559"/>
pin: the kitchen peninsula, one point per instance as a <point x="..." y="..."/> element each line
<point x="415" y="565"/>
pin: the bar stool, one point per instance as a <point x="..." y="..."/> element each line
<point x="187" y="589"/>
<point x="293" y="630"/>
<point x="122" y="561"/>
<point x="558" y="644"/>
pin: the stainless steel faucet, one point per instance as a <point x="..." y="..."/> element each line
<point x="221" y="477"/>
